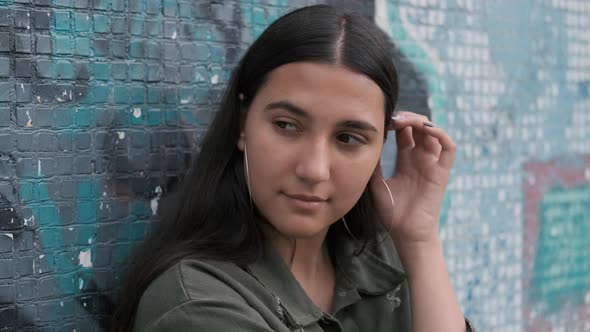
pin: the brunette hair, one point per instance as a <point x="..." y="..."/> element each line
<point x="210" y="216"/>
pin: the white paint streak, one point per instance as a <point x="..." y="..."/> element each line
<point x="174" y="35"/>
<point x="30" y="122"/>
<point x="85" y="259"/>
<point x="215" y="79"/>
<point x="184" y="101"/>
<point x="154" y="202"/>
<point x="70" y="228"/>
<point x="30" y="221"/>
<point x="121" y="134"/>
<point x="38" y="167"/>
<point x="81" y="281"/>
<point x="136" y="112"/>
<point x="9" y="235"/>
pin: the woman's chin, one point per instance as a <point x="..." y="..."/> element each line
<point x="302" y="228"/>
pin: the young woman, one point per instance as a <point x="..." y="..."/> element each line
<point x="284" y="222"/>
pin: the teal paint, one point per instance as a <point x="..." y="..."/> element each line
<point x="259" y="15"/>
<point x="58" y="257"/>
<point x="62" y="44"/>
<point x="561" y="271"/>
<point x="410" y="47"/>
<point x="64" y="69"/>
<point x="62" y="20"/>
<point x="100" y="23"/>
<point x="82" y="46"/>
<point x="420" y="59"/>
<point x="82" y="22"/>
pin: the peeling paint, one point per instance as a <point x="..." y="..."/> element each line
<point x="84" y="258"/>
<point x="30" y="122"/>
<point x="154" y="201"/>
<point x="215" y="79"/>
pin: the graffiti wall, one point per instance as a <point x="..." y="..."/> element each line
<point x="510" y="82"/>
<point x="103" y="103"/>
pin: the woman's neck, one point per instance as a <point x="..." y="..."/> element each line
<point x="309" y="261"/>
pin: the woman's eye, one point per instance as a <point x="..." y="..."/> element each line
<point x="349" y="139"/>
<point x="285" y="125"/>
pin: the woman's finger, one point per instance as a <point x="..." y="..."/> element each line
<point x="448" y="147"/>
<point x="431" y="144"/>
<point x="439" y="142"/>
<point x="402" y="119"/>
<point x="404" y="139"/>
<point x="420" y="138"/>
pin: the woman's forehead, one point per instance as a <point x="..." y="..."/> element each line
<point x="316" y="86"/>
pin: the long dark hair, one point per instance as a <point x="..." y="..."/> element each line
<point x="210" y="215"/>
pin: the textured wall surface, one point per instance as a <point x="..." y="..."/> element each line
<point x="103" y="102"/>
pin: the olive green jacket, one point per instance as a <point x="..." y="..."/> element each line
<point x="371" y="294"/>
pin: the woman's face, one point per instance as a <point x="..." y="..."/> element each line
<point x="313" y="135"/>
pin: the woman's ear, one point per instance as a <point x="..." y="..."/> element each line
<point x="241" y="142"/>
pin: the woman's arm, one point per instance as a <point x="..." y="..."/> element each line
<point x="433" y="301"/>
<point x="410" y="204"/>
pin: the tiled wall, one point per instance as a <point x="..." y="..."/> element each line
<point x="102" y="103"/>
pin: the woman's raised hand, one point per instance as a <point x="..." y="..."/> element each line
<point x="425" y="156"/>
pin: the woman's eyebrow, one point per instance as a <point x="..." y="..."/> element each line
<point x="296" y="110"/>
<point x="362" y="125"/>
<point x="288" y="106"/>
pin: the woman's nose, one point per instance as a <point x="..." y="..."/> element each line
<point x="313" y="162"/>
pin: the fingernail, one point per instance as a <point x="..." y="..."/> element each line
<point x="428" y="124"/>
<point x="397" y="117"/>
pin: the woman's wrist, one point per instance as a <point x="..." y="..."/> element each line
<point x="416" y="255"/>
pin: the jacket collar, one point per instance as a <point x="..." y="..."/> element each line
<point x="376" y="270"/>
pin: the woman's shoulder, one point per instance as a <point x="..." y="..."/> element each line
<point x="184" y="282"/>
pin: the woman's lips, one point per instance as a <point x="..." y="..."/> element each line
<point x="305" y="202"/>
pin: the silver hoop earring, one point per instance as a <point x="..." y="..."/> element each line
<point x="348" y="230"/>
<point x="248" y="176"/>
<point x="390" y="224"/>
<point x="392" y="202"/>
